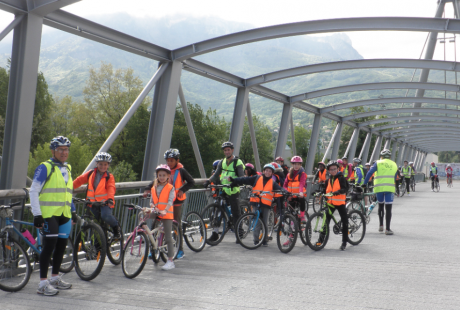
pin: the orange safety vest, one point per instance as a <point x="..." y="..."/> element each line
<point x="322" y="176"/>
<point x="342" y="169"/>
<point x="177" y="185"/>
<point x="100" y="194"/>
<point x="338" y="199"/>
<point x="267" y="198"/>
<point x="294" y="184"/>
<point x="162" y="202"/>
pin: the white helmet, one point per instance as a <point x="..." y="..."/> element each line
<point x="386" y="153"/>
<point x="103" y="156"/>
<point x="448" y="165"/>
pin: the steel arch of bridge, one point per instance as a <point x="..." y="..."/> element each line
<point x="417" y="131"/>
<point x="382" y="129"/>
<point x="408" y="118"/>
<point x="399" y="111"/>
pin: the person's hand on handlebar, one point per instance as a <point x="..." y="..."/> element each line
<point x="146" y="193"/>
<point x="335" y="193"/>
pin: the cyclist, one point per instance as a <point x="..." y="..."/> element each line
<point x="383" y="186"/>
<point x="412" y="176"/>
<point x="338" y="186"/>
<point x="101" y="187"/>
<point x="367" y="166"/>
<point x="320" y="175"/>
<point x="296" y="182"/>
<point x="433" y="175"/>
<point x="347" y="170"/>
<point x="214" y="167"/>
<point x="52" y="207"/>
<point x="260" y="183"/>
<point x="398" y="180"/>
<point x="449" y="172"/>
<point x="406" y="172"/>
<point x="250" y="171"/>
<point x="182" y="182"/>
<point x="359" y="180"/>
<point x="230" y="166"/>
<point x="280" y="161"/>
<point x="163" y="196"/>
<point x="278" y="174"/>
<point x="341" y="167"/>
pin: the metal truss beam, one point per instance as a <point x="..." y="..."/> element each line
<point x="336" y="145"/>
<point x="365" y="149"/>
<point x="420" y="131"/>
<point x="417" y="124"/>
<point x="313" y="144"/>
<point x="433" y="136"/>
<point x="409" y="118"/>
<point x="283" y="131"/>
<point x="398" y="111"/>
<point x="239" y="113"/>
<point x="11" y="26"/>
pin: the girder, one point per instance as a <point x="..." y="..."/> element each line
<point x="400" y="110"/>
<point x="399" y="134"/>
<point x="415" y="125"/>
<point x="411" y="118"/>
<point x="435" y="136"/>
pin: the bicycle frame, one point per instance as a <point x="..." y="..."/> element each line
<point x="9" y="225"/>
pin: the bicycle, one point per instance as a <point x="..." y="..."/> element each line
<point x="449" y="182"/>
<point x="318" y="231"/>
<point x="142" y="240"/>
<point x="15" y="264"/>
<point x="287" y="225"/>
<point x="402" y="187"/>
<point x="412" y="183"/>
<point x="318" y="202"/>
<point x="357" y="203"/>
<point x="437" y="186"/>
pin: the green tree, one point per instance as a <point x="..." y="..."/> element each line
<point x="302" y="141"/>
<point x="123" y="172"/>
<point x="63" y="116"/>
<point x="264" y="142"/>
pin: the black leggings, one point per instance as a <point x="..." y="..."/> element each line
<point x="301" y="203"/>
<point x="407" y="185"/>
<point x="344" y="217"/>
<point x="382" y="213"/>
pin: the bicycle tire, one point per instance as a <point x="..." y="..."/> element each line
<point x="177" y="242"/>
<point x="402" y="189"/>
<point x="271" y="223"/>
<point x="14" y="261"/>
<point x="287" y="233"/>
<point x="91" y="241"/>
<point x="134" y="255"/>
<point x="114" y="247"/>
<point x="194" y="229"/>
<point x="212" y="215"/>
<point x="317" y="203"/>
<point x="303" y="230"/>
<point x="246" y="226"/>
<point x="315" y="241"/>
<point x="67" y="261"/>
<point x="438" y="187"/>
<point x="355" y="205"/>
<point x="356" y="227"/>
<point x="412" y="185"/>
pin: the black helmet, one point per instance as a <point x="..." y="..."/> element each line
<point x="227" y="144"/>
<point x="332" y="163"/>
<point x="172" y="153"/>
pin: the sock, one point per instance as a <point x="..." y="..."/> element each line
<point x="302" y="214"/>
<point x="54" y="278"/>
<point x="43" y="282"/>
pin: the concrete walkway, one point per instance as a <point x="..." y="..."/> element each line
<point x="417" y="268"/>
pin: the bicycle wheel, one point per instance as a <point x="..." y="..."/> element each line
<point x="271" y="222"/>
<point x="176" y="241"/>
<point x="317" y="233"/>
<point x="114" y="247"/>
<point x="412" y="185"/>
<point x="438" y="187"/>
<point x="355" y="205"/>
<point x="287" y="233"/>
<point x="356" y="227"/>
<point x="194" y="231"/>
<point x="303" y="230"/>
<point x="216" y="222"/>
<point x="135" y="254"/>
<point x="92" y="249"/>
<point x="317" y="202"/>
<point x="67" y="261"/>
<point x="15" y="269"/>
<point x="252" y="231"/>
<point x="402" y="189"/>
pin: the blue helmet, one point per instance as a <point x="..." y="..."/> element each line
<point x="215" y="164"/>
<point x="59" y="141"/>
<point x="269" y="166"/>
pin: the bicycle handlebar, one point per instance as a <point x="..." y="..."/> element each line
<point x="10" y="205"/>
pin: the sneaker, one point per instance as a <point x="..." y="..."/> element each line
<point x="47" y="289"/>
<point x="320" y="239"/>
<point x="408" y="194"/>
<point x="59" y="283"/>
<point x="214" y="236"/>
<point x="288" y="241"/>
<point x="388" y="232"/>
<point x="116" y="233"/>
<point x="180" y="254"/>
<point x="169" y="265"/>
<point x="265" y="243"/>
<point x="343" y="247"/>
<point x="380" y="228"/>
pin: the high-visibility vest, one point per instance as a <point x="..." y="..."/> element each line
<point x="385" y="179"/>
<point x="346" y="171"/>
<point x="322" y="175"/>
<point x="294" y="184"/>
<point x="407" y="171"/>
<point x="413" y="170"/>
<point x="175" y="174"/>
<point x="100" y="194"/>
<point x="433" y="170"/>
<point x="162" y="201"/>
<point x="229" y="171"/>
<point x="336" y="200"/>
<point x="56" y="196"/>
<point x="259" y="187"/>
<point x="360" y="167"/>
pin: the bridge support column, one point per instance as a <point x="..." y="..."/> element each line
<point x="400" y="153"/>
<point x="329" y="147"/>
<point x="252" y="132"/>
<point x="377" y="147"/>
<point x="354" y="144"/>
<point x="313" y="144"/>
<point x="236" y="131"/>
<point x="395" y="149"/>
<point x="387" y="143"/>
<point x="21" y="101"/>
<point x="294" y="150"/>
<point x="283" y="131"/>
<point x="405" y="154"/>
<point x="350" y="144"/>
<point x="365" y="149"/>
<point x="162" y="118"/>
<point x="336" y="145"/>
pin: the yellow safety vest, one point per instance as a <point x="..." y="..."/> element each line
<point x="385" y="180"/>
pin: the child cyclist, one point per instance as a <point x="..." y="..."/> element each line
<point x="101" y="187"/>
<point x="182" y="182"/>
<point x="295" y="182"/>
<point x="163" y="195"/>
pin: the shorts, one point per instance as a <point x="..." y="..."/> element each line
<point x="57" y="227"/>
<point x="385" y="197"/>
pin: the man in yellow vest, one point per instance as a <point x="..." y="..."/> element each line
<point x="52" y="207"/>
<point x="384" y="186"/>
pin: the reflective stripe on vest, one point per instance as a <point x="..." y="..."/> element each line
<point x="228" y="172"/>
<point x="162" y="202"/>
<point x="384" y="181"/>
<point x="101" y="194"/>
<point x="407" y="172"/>
<point x="259" y="187"/>
<point x="294" y="184"/>
<point x="56" y="196"/>
<point x="336" y="200"/>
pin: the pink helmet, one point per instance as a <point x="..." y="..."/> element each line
<point x="339" y="161"/>
<point x="249" y="165"/>
<point x="296" y="159"/>
<point x="279" y="158"/>
<point x="164" y="168"/>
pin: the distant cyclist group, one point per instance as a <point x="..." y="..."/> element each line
<point x="276" y="201"/>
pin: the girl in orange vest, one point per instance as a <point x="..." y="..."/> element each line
<point x="101" y="187"/>
<point x="295" y="182"/>
<point x="321" y="174"/>
<point x="163" y="194"/>
<point x="338" y="186"/>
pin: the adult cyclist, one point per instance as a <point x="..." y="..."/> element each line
<point x="406" y="172"/>
<point x="52" y="207"/>
<point x="412" y="176"/>
<point x="359" y="177"/>
<point x="433" y="175"/>
<point x="230" y="166"/>
<point x="449" y="173"/>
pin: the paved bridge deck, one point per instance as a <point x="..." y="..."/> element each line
<point x="417" y="268"/>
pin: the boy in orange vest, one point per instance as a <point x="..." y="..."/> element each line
<point x="101" y="187"/>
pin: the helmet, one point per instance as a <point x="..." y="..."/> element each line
<point x="296" y="159"/>
<point x="59" y="141"/>
<point x="332" y="163"/>
<point x="345" y="157"/>
<point x="227" y="144"/>
<point x="357" y="160"/>
<point x="367" y="164"/>
<point x="321" y="163"/>
<point x="386" y="153"/>
<point x="269" y="166"/>
<point x="339" y="161"/>
<point x="411" y="163"/>
<point x="432" y="162"/>
<point x="275" y="165"/>
<point x="279" y="158"/>
<point x="172" y="153"/>
<point x="215" y="164"/>
<point x="249" y="165"/>
<point x="164" y="168"/>
<point x="399" y="167"/>
<point x="448" y="165"/>
<point x="103" y="156"/>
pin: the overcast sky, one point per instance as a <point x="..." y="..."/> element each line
<point x="262" y="13"/>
